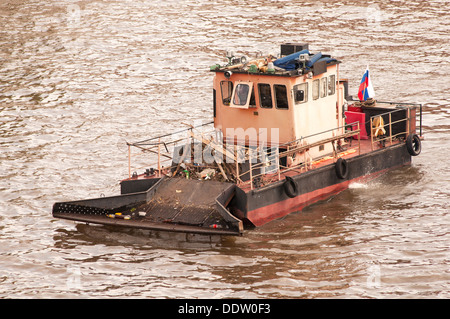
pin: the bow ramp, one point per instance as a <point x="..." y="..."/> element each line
<point x="171" y="204"/>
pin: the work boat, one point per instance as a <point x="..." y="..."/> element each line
<point x="285" y="134"/>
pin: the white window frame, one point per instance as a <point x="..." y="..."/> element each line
<point x="246" y="103"/>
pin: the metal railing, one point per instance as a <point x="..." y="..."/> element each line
<point x="270" y="167"/>
<point x="247" y="165"/>
<point x="159" y="151"/>
<point x="384" y="123"/>
<point x="411" y="106"/>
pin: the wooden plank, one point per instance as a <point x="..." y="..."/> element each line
<point x="216" y="147"/>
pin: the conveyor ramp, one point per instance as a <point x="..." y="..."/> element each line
<point x="172" y="204"/>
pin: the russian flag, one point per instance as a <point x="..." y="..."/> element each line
<point x="365" y="88"/>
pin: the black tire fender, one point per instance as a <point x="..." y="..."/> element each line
<point x="413" y="144"/>
<point x="290" y="187"/>
<point x="341" y="168"/>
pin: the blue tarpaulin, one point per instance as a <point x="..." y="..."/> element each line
<point x="316" y="57"/>
<point x="327" y="60"/>
<point x="289" y="62"/>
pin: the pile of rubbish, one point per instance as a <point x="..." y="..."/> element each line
<point x="223" y="171"/>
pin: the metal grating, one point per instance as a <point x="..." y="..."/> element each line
<point x="67" y="208"/>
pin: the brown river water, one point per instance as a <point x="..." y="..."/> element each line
<point x="79" y="78"/>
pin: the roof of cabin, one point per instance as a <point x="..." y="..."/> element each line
<point x="298" y="63"/>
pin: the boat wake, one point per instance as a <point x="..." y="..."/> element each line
<point x="358" y="185"/>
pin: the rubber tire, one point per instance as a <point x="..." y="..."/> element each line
<point x="413" y="145"/>
<point x="341" y="167"/>
<point x="290" y="187"/>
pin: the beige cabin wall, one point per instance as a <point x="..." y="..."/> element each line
<point x="316" y="116"/>
<point x="281" y="125"/>
<point x="278" y="123"/>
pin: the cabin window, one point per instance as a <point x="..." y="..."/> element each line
<point x="301" y="93"/>
<point x="315" y="89"/>
<point x="241" y="94"/>
<point x="252" y="98"/>
<point x="332" y="85"/>
<point x="265" y="95"/>
<point x="281" y="96"/>
<point x="323" y="87"/>
<point x="227" y="89"/>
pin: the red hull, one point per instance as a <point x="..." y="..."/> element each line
<point x="268" y="213"/>
<point x="263" y="215"/>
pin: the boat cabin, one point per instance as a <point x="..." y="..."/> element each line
<point x="278" y="101"/>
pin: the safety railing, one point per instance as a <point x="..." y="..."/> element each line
<point x="175" y="152"/>
<point x="249" y="165"/>
<point x="394" y="125"/>
<point x="412" y="106"/>
<point x="268" y="165"/>
<point x="158" y="152"/>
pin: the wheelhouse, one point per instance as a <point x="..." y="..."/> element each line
<point x="257" y="102"/>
